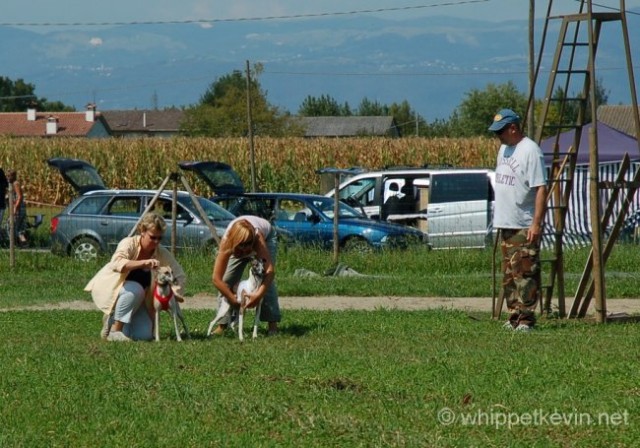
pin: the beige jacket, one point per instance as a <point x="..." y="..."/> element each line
<point x="105" y="285"/>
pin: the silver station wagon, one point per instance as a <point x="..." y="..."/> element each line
<point x="99" y="218"/>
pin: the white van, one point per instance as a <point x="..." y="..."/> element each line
<point x="453" y="206"/>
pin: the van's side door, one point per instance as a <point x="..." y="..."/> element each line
<point x="459" y="210"/>
<point x="399" y="202"/>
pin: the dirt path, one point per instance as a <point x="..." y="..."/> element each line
<point x="207" y="301"/>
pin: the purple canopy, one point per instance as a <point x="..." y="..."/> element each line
<point x="612" y="145"/>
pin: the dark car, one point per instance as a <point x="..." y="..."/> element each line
<point x="99" y="218"/>
<point x="305" y="218"/>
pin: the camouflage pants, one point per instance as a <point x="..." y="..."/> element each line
<point x="521" y="275"/>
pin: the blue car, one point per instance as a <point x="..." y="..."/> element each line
<point x="304" y="218"/>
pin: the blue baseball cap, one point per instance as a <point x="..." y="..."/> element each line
<point x="503" y="118"/>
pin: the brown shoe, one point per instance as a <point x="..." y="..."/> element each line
<point x="220" y="329"/>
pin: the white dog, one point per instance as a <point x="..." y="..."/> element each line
<point x="257" y="272"/>
<point x="165" y="298"/>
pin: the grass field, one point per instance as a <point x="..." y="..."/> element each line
<point x="330" y="379"/>
<point x="40" y="277"/>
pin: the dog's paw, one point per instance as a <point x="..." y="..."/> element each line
<point x="178" y="297"/>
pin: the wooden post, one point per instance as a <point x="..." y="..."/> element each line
<point x="174" y="212"/>
<point x="150" y="204"/>
<point x="203" y="215"/>
<point x="532" y="77"/>
<point x="252" y="155"/>
<point x="596" y="230"/>
<point x="12" y="227"/>
<point x="594" y="187"/>
<point x="336" y="203"/>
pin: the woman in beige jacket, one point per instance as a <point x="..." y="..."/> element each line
<point x="123" y="285"/>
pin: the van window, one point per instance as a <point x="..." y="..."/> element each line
<point x="359" y="193"/>
<point x="459" y="187"/>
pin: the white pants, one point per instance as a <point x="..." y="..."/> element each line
<point x="130" y="310"/>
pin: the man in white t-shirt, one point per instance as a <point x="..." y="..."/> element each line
<point x="520" y="200"/>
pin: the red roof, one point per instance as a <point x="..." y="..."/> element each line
<point x="70" y="124"/>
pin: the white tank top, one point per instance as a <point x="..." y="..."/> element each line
<point x="260" y="224"/>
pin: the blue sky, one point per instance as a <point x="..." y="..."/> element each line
<point x="69" y="71"/>
<point x="83" y="11"/>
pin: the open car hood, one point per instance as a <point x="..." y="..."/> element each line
<point x="220" y="177"/>
<point x="82" y="176"/>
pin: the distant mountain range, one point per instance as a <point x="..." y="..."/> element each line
<point x="430" y="62"/>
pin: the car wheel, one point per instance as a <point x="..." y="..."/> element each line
<point x="85" y="249"/>
<point x="356" y="244"/>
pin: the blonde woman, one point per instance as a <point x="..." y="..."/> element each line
<point x="123" y="286"/>
<point x="246" y="236"/>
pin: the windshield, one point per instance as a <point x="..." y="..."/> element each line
<point x="360" y="192"/>
<point x="325" y="206"/>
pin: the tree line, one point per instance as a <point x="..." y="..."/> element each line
<point x="223" y="109"/>
<point x="18" y="95"/>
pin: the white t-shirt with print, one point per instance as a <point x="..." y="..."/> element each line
<point x="519" y="170"/>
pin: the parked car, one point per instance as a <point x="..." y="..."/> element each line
<point x="453" y="206"/>
<point x="305" y="218"/>
<point x="99" y="218"/>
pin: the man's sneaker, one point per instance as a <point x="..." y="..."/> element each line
<point x="117" y="336"/>
<point x="104" y="333"/>
<point x="523" y="328"/>
<point x="507" y="325"/>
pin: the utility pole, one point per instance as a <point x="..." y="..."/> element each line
<point x="252" y="155"/>
<point x="531" y="129"/>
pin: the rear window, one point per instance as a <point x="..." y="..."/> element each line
<point x="255" y="206"/>
<point x="459" y="187"/>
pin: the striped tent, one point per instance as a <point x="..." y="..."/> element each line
<point x="612" y="145"/>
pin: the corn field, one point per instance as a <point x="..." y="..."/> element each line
<point x="287" y="164"/>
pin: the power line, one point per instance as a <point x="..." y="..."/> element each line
<point x="241" y="19"/>
<point x="421" y="74"/>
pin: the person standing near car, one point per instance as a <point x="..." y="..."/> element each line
<point x="248" y="236"/>
<point x="122" y="288"/>
<point x="520" y="202"/>
<point x="19" y="208"/>
<point x="4" y="184"/>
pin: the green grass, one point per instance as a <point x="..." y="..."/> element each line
<point x="340" y="379"/>
<point x="39" y="277"/>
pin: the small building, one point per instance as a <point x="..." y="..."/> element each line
<point x="144" y="123"/>
<point x="32" y="123"/>
<point x="353" y="126"/>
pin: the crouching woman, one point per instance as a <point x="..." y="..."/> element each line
<point x="122" y="289"/>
